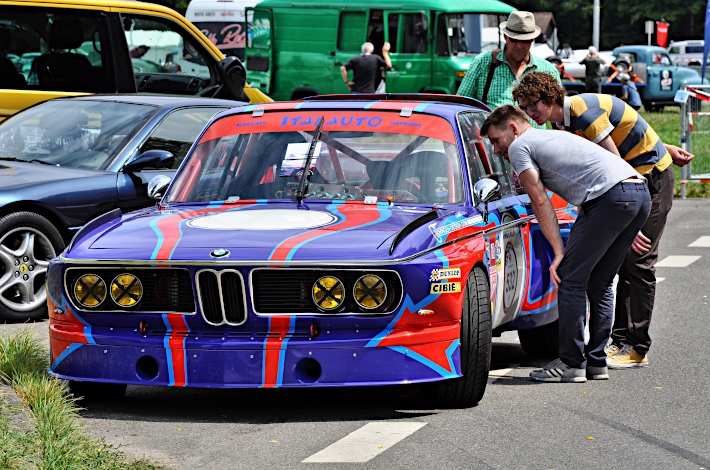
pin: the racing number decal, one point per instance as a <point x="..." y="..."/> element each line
<point x="510" y="270"/>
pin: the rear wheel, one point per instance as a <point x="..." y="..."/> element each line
<point x="475" y="347"/>
<point x="94" y="391"/>
<point x="543" y="341"/>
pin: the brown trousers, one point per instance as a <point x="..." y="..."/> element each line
<point x="636" y="289"/>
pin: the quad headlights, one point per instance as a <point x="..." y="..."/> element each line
<point x="328" y="293"/>
<point x="90" y="290"/>
<point x="369" y="292"/>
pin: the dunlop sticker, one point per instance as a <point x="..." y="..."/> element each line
<point x="445" y="273"/>
<point x="445" y="288"/>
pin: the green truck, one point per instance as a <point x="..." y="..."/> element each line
<point x="295" y="47"/>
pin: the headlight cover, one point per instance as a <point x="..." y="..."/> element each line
<point x="126" y="290"/>
<point x="370" y="291"/>
<point x="90" y="290"/>
<point x="328" y="293"/>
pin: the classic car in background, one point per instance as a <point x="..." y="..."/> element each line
<point x="66" y="161"/>
<point x="338" y="241"/>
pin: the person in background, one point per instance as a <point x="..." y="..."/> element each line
<point x="490" y="77"/>
<point x="606" y="121"/>
<point x="138" y="52"/>
<point x="593" y="65"/>
<point x="613" y="203"/>
<point x="366" y="69"/>
<point x="629" y="93"/>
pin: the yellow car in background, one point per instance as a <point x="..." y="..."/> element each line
<point x="58" y="48"/>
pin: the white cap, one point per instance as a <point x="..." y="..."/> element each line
<point x="624" y="76"/>
<point x="592" y="50"/>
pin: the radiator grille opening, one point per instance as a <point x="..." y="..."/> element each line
<point x="221" y="297"/>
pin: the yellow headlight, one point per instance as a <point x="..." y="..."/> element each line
<point x="328" y="293"/>
<point x="90" y="290"/>
<point x="126" y="290"/>
<point x="370" y="291"/>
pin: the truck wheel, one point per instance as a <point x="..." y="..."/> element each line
<point x="303" y="92"/>
<point x="28" y="242"/>
<point x="542" y="342"/>
<point x="475" y="347"/>
<point x="94" y="391"/>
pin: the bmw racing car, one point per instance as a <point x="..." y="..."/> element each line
<point x="335" y="241"/>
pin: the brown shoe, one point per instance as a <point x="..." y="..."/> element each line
<point x="626" y="358"/>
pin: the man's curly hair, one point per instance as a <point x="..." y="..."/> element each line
<point x="540" y="86"/>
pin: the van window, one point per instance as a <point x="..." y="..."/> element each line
<point x="352" y="25"/>
<point x="693" y="49"/>
<point x="54" y="50"/>
<point x="442" y="36"/>
<point x="675" y="50"/>
<point x="165" y="57"/>
<point x="376" y="31"/>
<point x="411" y="29"/>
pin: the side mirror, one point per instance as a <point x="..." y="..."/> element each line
<point x="150" y="159"/>
<point x="157" y="187"/>
<point x="486" y="190"/>
<point x="233" y="76"/>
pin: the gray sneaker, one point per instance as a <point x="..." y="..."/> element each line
<point x="597" y="373"/>
<point x="558" y="371"/>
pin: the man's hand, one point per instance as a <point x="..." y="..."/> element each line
<point x="554" y="277"/>
<point x="641" y="244"/>
<point x="680" y="157"/>
<point x="385" y="48"/>
<point x="350" y="85"/>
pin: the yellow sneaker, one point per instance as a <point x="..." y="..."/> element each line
<point x="611" y="350"/>
<point x="626" y="358"/>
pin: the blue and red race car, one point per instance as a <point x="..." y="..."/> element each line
<point x="336" y="241"/>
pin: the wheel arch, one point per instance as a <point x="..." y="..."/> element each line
<point x="48" y="212"/>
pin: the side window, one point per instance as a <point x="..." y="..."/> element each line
<point x="442" y="36"/>
<point x="177" y="132"/>
<point x="416" y="33"/>
<point x="165" y="57"/>
<point x="352" y="25"/>
<point x="376" y="30"/>
<point x="54" y="50"/>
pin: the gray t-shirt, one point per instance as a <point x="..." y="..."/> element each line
<point x="569" y="165"/>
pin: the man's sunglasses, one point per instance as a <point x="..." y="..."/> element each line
<point x="530" y="107"/>
<point x="524" y="41"/>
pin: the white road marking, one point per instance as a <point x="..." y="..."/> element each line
<point x="677" y="261"/>
<point x="701" y="242"/>
<point x="366" y="443"/>
<point x="659" y="279"/>
<point x="494" y="375"/>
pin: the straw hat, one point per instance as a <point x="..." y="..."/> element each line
<point x="520" y="25"/>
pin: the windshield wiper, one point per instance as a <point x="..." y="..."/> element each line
<point x="34" y="160"/>
<point x="303" y="184"/>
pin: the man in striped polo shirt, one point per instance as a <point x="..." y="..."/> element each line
<point x="615" y="126"/>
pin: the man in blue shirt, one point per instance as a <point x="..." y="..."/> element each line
<point x="629" y="93"/>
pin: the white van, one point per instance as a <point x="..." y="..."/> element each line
<point x="223" y="22"/>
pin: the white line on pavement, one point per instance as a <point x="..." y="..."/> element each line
<point x="659" y="279"/>
<point x="677" y="261"/>
<point x="701" y="242"/>
<point x="367" y="442"/>
<point x="494" y="375"/>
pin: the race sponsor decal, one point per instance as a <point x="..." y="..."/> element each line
<point x="444" y="273"/>
<point x="445" y="288"/>
<point x="440" y="233"/>
<point x="510" y="277"/>
<point x="493" y="279"/>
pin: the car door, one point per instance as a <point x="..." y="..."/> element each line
<point x="175" y="133"/>
<point x="660" y="71"/>
<point x="408" y="35"/>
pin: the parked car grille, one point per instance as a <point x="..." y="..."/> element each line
<point x="289" y="290"/>
<point x="221" y="295"/>
<point x="164" y="290"/>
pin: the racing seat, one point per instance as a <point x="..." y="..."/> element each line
<point x="9" y="76"/>
<point x="61" y="69"/>
<point x="416" y="173"/>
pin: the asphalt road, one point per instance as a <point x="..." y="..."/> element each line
<point x="657" y="417"/>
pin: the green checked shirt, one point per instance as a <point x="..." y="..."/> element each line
<point x="501" y="90"/>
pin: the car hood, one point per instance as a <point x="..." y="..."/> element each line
<point x="271" y="232"/>
<point x="17" y="175"/>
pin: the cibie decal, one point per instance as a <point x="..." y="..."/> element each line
<point x="445" y="273"/>
<point x="510" y="276"/>
<point x="441" y="232"/>
<point x="445" y="288"/>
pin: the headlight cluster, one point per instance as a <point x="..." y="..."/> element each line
<point x="369" y="292"/>
<point x="90" y="290"/>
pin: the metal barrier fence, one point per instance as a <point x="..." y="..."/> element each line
<point x="695" y="134"/>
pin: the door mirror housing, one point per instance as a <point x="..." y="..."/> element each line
<point x="486" y="190"/>
<point x="234" y="77"/>
<point x="157" y="187"/>
<point x="158" y="159"/>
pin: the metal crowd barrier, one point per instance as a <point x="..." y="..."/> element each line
<point x="695" y="134"/>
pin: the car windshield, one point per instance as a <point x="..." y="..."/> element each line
<point x="78" y="134"/>
<point x="360" y="154"/>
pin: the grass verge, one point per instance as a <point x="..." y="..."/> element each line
<point x="55" y="437"/>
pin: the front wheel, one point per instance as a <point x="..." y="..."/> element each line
<point x="475" y="347"/>
<point x="28" y="242"/>
<point x="541" y="342"/>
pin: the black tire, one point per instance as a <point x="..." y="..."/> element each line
<point x="23" y="270"/>
<point x="554" y="60"/>
<point x="99" y="392"/>
<point x="541" y="342"/>
<point x="475" y="347"/>
<point x="303" y="92"/>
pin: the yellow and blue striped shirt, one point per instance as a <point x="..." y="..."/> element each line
<point x="596" y="116"/>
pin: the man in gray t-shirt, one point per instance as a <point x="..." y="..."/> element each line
<point x="613" y="204"/>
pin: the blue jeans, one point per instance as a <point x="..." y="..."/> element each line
<point x="599" y="241"/>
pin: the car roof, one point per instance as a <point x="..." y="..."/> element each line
<point x="639" y="48"/>
<point x="452" y="6"/>
<point x="164" y="101"/>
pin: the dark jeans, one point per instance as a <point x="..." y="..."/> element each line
<point x="592" y="86"/>
<point x="636" y="289"/>
<point x="599" y="240"/>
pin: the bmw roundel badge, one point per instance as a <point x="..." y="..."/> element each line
<point x="219" y="253"/>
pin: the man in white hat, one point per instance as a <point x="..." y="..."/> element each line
<point x="491" y="78"/>
<point x="593" y="65"/>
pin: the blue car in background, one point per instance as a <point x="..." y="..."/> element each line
<point x="66" y="161"/>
